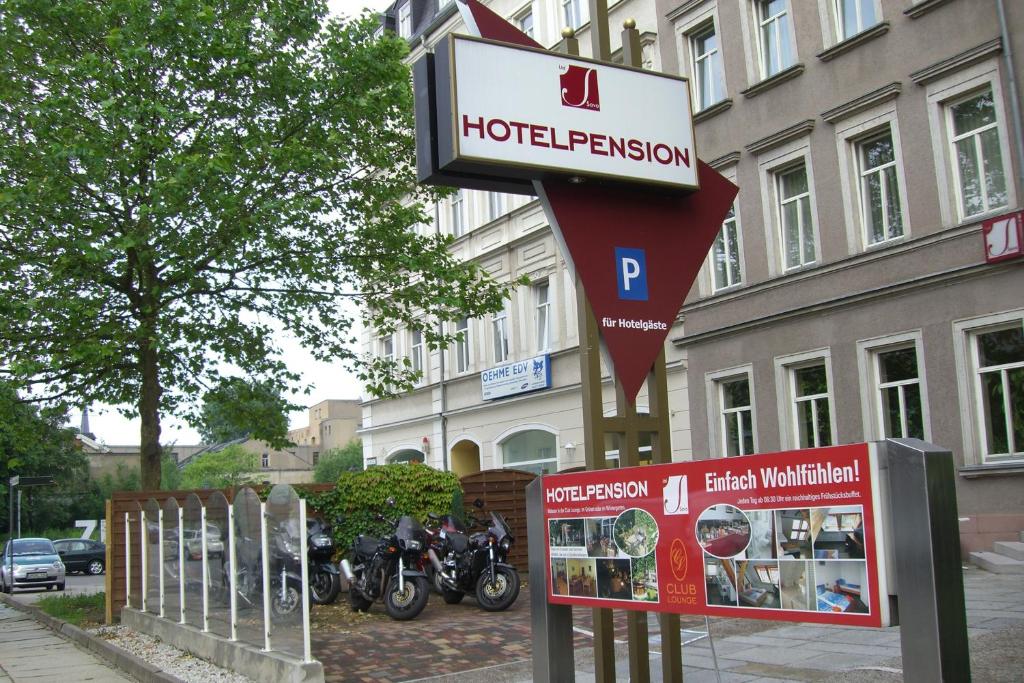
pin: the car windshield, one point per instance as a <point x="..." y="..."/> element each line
<point x="33" y="547"/>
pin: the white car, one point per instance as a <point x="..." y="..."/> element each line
<point x="194" y="544"/>
<point x="35" y="563"/>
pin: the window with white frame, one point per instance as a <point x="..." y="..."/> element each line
<point x="495" y="204"/>
<point x="774" y="36"/>
<point x="458" y="207"/>
<point x="572" y="13"/>
<point x="708" y="76"/>
<point x="532" y="450"/>
<point x="997" y="363"/>
<point x="499" y="334"/>
<point x="812" y="406"/>
<point x="737" y="420"/>
<point x="725" y="254"/>
<point x="525" y="22"/>
<point x="405" y="20"/>
<point x="416" y="351"/>
<point x="900" y="410"/>
<point x="973" y="126"/>
<point x="462" y="345"/>
<point x="880" y="204"/>
<point x="853" y="17"/>
<point x="542" y="315"/>
<point x="387" y="347"/>
<point x="795" y="216"/>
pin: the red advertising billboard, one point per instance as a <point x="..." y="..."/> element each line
<point x="791" y="536"/>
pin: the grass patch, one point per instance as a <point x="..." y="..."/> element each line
<point x="75" y="609"/>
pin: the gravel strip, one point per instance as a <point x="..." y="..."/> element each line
<point x="171" y="660"/>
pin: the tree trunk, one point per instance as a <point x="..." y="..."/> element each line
<point x="149" y="411"/>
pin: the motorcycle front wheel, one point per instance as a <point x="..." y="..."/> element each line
<point x="286" y="604"/>
<point x="406" y="604"/>
<point x="502" y="593"/>
<point x="324" y="587"/>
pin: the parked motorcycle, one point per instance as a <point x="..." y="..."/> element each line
<point x="476" y="563"/>
<point x="389" y="569"/>
<point x="285" y="574"/>
<point x="324" y="577"/>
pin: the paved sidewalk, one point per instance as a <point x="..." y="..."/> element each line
<point x="31" y="652"/>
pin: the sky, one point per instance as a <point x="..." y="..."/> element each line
<point x="328" y="380"/>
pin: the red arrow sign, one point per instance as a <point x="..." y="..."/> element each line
<point x="637" y="251"/>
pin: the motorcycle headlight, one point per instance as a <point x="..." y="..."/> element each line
<point x="321" y="541"/>
<point x="413" y="545"/>
<point x="506" y="543"/>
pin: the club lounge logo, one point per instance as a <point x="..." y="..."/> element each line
<point x="579" y="88"/>
<point x="677" y="559"/>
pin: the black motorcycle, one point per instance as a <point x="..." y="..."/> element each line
<point x="324" y="578"/>
<point x="477" y="563"/>
<point x="389" y="568"/>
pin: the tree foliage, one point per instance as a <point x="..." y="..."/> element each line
<point x="348" y="458"/>
<point x="181" y="180"/>
<point x="360" y="496"/>
<point x="236" y="408"/>
<point x="228" y="467"/>
<point x="33" y="442"/>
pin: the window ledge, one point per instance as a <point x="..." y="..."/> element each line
<point x="715" y="109"/>
<point x="772" y="81"/>
<point x="992" y="470"/>
<point x="854" y="41"/>
<point x="957" y="62"/>
<point x="923" y="7"/>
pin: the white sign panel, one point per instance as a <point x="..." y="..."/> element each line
<point x="515" y="106"/>
<point x="516" y="378"/>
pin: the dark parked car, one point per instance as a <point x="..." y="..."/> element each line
<point x="81" y="555"/>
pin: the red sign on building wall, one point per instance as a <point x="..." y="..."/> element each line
<point x="787" y="536"/>
<point x="1004" y="236"/>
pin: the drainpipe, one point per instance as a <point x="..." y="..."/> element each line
<point x="1011" y="77"/>
<point x="444" y="407"/>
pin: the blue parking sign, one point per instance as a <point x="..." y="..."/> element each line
<point x="631" y="273"/>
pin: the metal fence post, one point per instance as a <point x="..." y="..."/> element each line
<point x="233" y="574"/>
<point x="181" y="565"/>
<point x="551" y="625"/>
<point x="127" y="560"/>
<point x="160" y="556"/>
<point x="307" y="647"/>
<point x="144" y="561"/>
<point x="265" y="557"/>
<point x="929" y="579"/>
<point x="206" y="569"/>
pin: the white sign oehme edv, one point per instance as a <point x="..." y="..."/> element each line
<point x="516" y="108"/>
<point x="516" y="378"/>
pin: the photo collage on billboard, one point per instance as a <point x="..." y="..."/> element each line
<point x="803" y="559"/>
<point x="610" y="558"/>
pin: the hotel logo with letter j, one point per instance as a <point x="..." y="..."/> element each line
<point x="631" y="273"/>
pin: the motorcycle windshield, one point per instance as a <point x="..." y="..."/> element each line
<point x="499" y="527"/>
<point x="409" y="530"/>
<point x="284" y="540"/>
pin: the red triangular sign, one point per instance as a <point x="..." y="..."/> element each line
<point x="637" y="251"/>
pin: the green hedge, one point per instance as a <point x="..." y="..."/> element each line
<point x="360" y="496"/>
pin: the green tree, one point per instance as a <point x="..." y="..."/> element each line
<point x="227" y="468"/>
<point x="170" y="475"/>
<point x="33" y="442"/>
<point x="348" y="458"/>
<point x="181" y="180"/>
<point x="236" y="408"/>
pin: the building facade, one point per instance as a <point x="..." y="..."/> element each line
<point x="848" y="296"/>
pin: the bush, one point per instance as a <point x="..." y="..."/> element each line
<point x="360" y="496"/>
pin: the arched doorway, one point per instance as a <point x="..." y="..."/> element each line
<point x="465" y="458"/>
<point x="531" y="450"/>
<point x="405" y="455"/>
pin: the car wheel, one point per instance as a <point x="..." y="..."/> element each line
<point x="95" y="567"/>
<point x="60" y="586"/>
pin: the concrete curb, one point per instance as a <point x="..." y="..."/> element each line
<point x="113" y="655"/>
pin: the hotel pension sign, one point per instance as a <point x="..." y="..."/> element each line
<point x="514" y="111"/>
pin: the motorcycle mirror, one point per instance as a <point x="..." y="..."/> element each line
<point x="391" y="501"/>
<point x="478" y="504"/>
